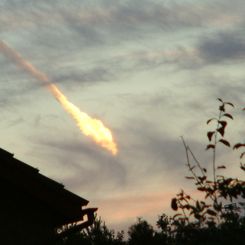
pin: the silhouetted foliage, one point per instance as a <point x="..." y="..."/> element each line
<point x="207" y="221"/>
<point x="197" y="221"/>
<point x="96" y="234"/>
<point x="143" y="233"/>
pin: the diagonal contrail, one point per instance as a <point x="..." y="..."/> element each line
<point x="91" y="127"/>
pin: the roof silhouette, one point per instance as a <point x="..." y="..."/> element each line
<point x="23" y="186"/>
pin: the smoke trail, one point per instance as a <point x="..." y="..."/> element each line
<point x="27" y="66"/>
<point x="91" y="127"/>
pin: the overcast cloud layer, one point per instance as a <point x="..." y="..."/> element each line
<point x="151" y="70"/>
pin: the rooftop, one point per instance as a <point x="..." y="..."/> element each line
<point x="50" y="193"/>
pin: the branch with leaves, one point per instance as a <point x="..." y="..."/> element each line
<point x="210" y="211"/>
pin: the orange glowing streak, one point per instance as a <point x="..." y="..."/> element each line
<point x="91" y="127"/>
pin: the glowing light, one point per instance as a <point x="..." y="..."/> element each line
<point x="91" y="127"/>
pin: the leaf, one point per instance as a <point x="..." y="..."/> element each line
<point x="225" y="142"/>
<point x="187" y="206"/>
<point x="207" y="195"/>
<point x="222" y="108"/>
<point x="242" y="167"/>
<point x="221" y="130"/>
<point x="228" y="115"/>
<point x="174" y="205"/>
<point x="202" y="178"/>
<point x="211" y="119"/>
<point x="228" y="181"/>
<point x="238" y="145"/>
<point x="221" y="167"/>
<point x="197" y="216"/>
<point x="211" y="212"/>
<point x="181" y="193"/>
<point x="217" y="207"/>
<point x="223" y="123"/>
<point x="176" y="215"/>
<point x="189" y="177"/>
<point x="210" y="135"/>
<point x="241" y="156"/>
<point x="229" y="103"/>
<point x="198" y="207"/>
<point x="204" y="204"/>
<point x="210" y="146"/>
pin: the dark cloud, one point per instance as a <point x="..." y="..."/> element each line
<point x="229" y="88"/>
<point x="93" y="168"/>
<point x="106" y="21"/>
<point x="162" y="152"/>
<point x="12" y="95"/>
<point x="221" y="47"/>
<point x="156" y="149"/>
<point x="112" y="23"/>
<point x="180" y="56"/>
<point x="93" y="76"/>
<point x="144" y="150"/>
<point x="115" y="22"/>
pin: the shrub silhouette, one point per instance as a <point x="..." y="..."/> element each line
<point x="143" y="233"/>
<point x="96" y="234"/>
<point x="207" y="221"/>
<point x="199" y="222"/>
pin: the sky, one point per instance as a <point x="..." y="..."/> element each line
<point x="151" y="70"/>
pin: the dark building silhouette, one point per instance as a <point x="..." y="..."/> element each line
<point x="33" y="206"/>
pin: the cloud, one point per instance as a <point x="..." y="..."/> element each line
<point x="179" y="56"/>
<point x="88" y="77"/>
<point x="145" y="154"/>
<point x="109" y="21"/>
<point x="108" y="24"/>
<point x="88" y="167"/>
<point x="222" y="47"/>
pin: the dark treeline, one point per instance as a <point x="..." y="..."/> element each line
<point x="231" y="231"/>
<point x="206" y="221"/>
